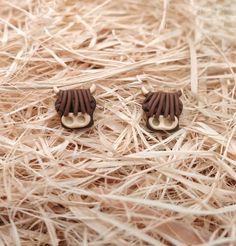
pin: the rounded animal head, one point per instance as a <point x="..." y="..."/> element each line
<point x="76" y="107"/>
<point x="162" y="110"/>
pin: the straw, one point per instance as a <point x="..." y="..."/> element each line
<point x="117" y="183"/>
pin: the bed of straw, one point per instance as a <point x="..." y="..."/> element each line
<point x="117" y="183"/>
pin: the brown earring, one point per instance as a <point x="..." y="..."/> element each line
<point x="162" y="110"/>
<point x="76" y="107"/>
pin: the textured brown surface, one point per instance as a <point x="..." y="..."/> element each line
<point x="163" y="103"/>
<point x="74" y="101"/>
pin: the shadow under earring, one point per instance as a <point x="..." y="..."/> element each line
<point x="162" y="109"/>
<point x="76" y="107"/>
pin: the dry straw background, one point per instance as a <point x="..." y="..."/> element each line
<point x="117" y="183"/>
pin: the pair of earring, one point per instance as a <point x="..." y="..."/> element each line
<point x="76" y="108"/>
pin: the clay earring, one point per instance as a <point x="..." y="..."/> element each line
<point x="162" y="110"/>
<point x="76" y="107"/>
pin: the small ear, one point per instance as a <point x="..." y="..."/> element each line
<point x="92" y="88"/>
<point x="55" y="89"/>
<point x="144" y="91"/>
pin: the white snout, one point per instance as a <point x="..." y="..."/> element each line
<point x="76" y="121"/>
<point x="162" y="123"/>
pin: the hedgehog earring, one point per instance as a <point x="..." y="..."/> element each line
<point x="76" y="107"/>
<point x="162" y="110"/>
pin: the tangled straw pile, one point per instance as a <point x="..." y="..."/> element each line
<point x="117" y="183"/>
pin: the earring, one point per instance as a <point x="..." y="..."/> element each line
<point x="75" y="107"/>
<point x="162" y="110"/>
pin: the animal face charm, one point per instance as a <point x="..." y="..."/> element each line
<point x="162" y="110"/>
<point x="76" y="107"/>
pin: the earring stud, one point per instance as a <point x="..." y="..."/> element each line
<point x="76" y="107"/>
<point x="162" y="109"/>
